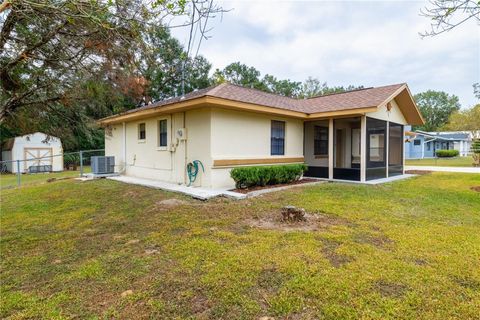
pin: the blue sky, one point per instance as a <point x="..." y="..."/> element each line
<point x="346" y="42"/>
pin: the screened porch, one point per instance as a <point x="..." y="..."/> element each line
<point x="353" y="148"/>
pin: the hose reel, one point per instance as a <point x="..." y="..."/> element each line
<point x="192" y="170"/>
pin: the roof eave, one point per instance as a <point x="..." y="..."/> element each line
<point x="346" y="112"/>
<point x="149" y="112"/>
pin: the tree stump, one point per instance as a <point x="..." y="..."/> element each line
<point x="293" y="214"/>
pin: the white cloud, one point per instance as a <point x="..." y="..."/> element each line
<point x="369" y="43"/>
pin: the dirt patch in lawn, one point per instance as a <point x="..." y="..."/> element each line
<point x="256" y="188"/>
<point x="271" y="280"/>
<point x="380" y="241"/>
<point x="170" y="203"/>
<point x="329" y="249"/>
<point x="129" y="194"/>
<point x="59" y="179"/>
<point x="200" y="305"/>
<point x="467" y="283"/>
<point x="475" y="188"/>
<point x="312" y="222"/>
<point x="420" y="262"/>
<point x="390" y="289"/>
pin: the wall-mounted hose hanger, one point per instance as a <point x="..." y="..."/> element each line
<point x="192" y="170"/>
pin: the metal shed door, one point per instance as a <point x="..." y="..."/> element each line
<point x="44" y="153"/>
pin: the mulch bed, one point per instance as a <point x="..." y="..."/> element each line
<point x="302" y="181"/>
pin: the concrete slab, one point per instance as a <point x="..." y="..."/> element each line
<point x="390" y="179"/>
<point x="194" y="192"/>
<point x="444" y="169"/>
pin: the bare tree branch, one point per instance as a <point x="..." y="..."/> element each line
<point x="446" y="15"/>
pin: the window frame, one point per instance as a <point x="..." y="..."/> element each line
<point x="277" y="141"/>
<point x="159" y="134"/>
<point x="139" y="131"/>
<point x="317" y="148"/>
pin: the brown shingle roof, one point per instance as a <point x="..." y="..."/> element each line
<point x="363" y="98"/>
<point x="370" y="97"/>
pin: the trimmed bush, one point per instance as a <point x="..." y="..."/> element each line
<point x="447" y="153"/>
<point x="246" y="177"/>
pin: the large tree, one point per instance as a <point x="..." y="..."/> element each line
<point x="436" y="107"/>
<point x="243" y="75"/>
<point x="313" y="87"/>
<point x="167" y="68"/>
<point x="239" y="74"/>
<point x="465" y="120"/>
<point x="65" y="63"/>
<point x="284" y="87"/>
<point x="49" y="47"/>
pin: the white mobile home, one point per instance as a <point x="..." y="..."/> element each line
<point x="36" y="152"/>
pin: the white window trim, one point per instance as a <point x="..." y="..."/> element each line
<point x="138" y="132"/>
<point x="162" y="148"/>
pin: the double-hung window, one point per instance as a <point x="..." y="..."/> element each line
<point x="162" y="133"/>
<point x="277" y="142"/>
<point x="141" y="131"/>
<point x="320" y="143"/>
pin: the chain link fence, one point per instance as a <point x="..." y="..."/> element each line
<point x="16" y="173"/>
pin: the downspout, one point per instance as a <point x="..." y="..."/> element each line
<point x="185" y="142"/>
<point x="172" y="163"/>
<point x="403" y="150"/>
<point x="124" y="129"/>
<point x="387" y="151"/>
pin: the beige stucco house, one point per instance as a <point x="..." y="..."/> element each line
<point x="357" y="135"/>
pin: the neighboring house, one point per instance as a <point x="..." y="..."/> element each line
<point x="421" y="144"/>
<point x="37" y="152"/>
<point x="357" y="135"/>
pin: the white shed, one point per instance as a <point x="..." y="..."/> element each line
<point x="34" y="151"/>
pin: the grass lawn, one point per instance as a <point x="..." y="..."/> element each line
<point x="442" y="162"/>
<point x="9" y="180"/>
<point x="103" y="249"/>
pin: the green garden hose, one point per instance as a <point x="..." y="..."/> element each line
<point x="192" y="171"/>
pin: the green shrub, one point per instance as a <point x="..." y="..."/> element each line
<point x="246" y="177"/>
<point x="447" y="153"/>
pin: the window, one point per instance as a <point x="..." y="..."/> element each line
<point x="162" y="129"/>
<point x="141" y="131"/>
<point x="416" y="142"/>
<point x="320" y="144"/>
<point x="277" y="143"/>
<point x="428" y="146"/>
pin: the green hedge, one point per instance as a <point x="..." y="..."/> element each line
<point x="246" y="177"/>
<point x="447" y="153"/>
